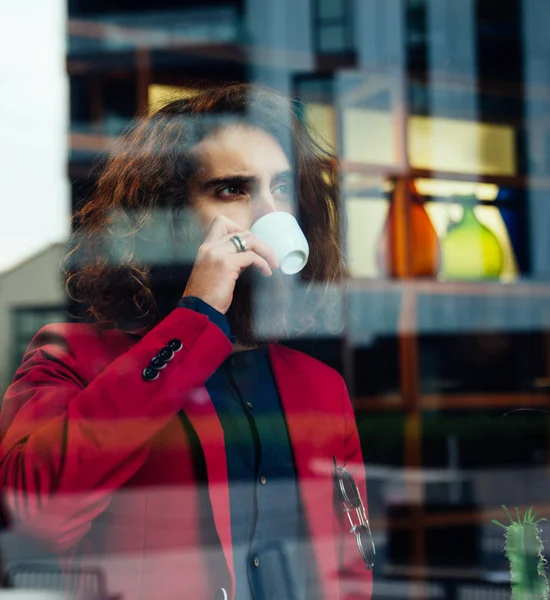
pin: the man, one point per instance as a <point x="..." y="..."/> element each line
<point x="166" y="442"/>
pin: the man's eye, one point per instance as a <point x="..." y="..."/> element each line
<point x="283" y="189"/>
<point x="230" y="190"/>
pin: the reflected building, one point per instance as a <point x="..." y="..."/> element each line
<point x="32" y="294"/>
<point x="453" y="96"/>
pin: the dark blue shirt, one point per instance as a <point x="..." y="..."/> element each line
<point x="270" y="545"/>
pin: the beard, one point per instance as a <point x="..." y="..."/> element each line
<point x="257" y="315"/>
<point x="240" y="314"/>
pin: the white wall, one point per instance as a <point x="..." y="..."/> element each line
<point x="36" y="282"/>
<point x="34" y="190"/>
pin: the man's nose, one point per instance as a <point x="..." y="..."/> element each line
<point x="264" y="204"/>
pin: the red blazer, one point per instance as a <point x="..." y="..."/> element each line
<point x="96" y="464"/>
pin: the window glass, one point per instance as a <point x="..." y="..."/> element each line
<point x="252" y="250"/>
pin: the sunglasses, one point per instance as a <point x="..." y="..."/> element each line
<point x="351" y="499"/>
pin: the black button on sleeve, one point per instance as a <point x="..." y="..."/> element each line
<point x="174" y="345"/>
<point x="150" y="374"/>
<point x="157" y="363"/>
<point x="165" y="354"/>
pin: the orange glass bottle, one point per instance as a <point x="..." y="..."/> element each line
<point x="408" y="246"/>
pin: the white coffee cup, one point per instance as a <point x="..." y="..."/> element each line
<point x="282" y="232"/>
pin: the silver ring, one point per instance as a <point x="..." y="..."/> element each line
<point x="240" y="244"/>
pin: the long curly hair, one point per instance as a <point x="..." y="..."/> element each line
<point x="147" y="174"/>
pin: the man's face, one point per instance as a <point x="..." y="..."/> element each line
<point x="243" y="174"/>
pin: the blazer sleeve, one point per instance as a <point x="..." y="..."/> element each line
<point x="68" y="442"/>
<point x="355" y="579"/>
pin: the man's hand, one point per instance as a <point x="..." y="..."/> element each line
<point x="218" y="264"/>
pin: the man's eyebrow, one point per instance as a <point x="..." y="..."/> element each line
<point x="229" y="180"/>
<point x="286" y="174"/>
<point x="242" y="179"/>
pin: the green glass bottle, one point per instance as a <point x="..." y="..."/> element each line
<point x="470" y="250"/>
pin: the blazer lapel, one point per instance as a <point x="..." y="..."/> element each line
<point x="309" y="437"/>
<point x="203" y="417"/>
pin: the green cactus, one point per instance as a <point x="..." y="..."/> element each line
<point x="524" y="550"/>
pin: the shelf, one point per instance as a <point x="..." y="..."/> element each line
<point x="483" y="401"/>
<point x="479" y="576"/>
<point x="451" y="288"/>
<point x="422" y="307"/>
<point x="378" y="403"/>
<point x="385" y="171"/>
<point x="452" y="518"/>
<point x="91" y="142"/>
<point x="478" y="401"/>
<point x="120" y="37"/>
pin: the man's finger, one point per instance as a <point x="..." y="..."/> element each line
<point x="221" y="226"/>
<point x="257" y="245"/>
<point x="248" y="259"/>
